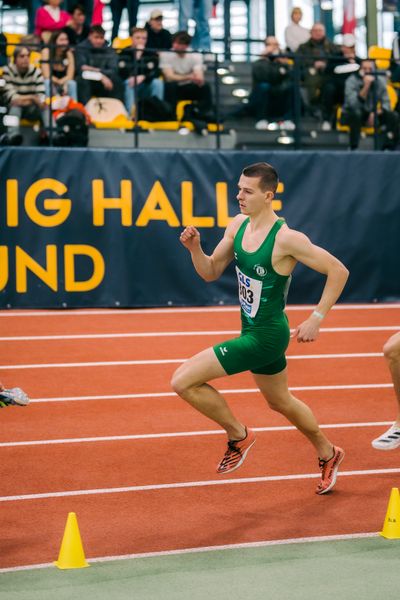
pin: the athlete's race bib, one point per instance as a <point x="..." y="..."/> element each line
<point x="249" y="293"/>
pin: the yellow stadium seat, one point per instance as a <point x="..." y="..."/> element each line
<point x="180" y="108"/>
<point x="121" y="43"/>
<point x="12" y="38"/>
<point x="381" y="56"/>
<point x="35" y="59"/>
<point x="392" y="96"/>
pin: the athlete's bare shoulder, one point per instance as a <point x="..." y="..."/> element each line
<point x="289" y="239"/>
<point x="234" y="225"/>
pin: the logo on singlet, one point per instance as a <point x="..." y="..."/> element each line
<point x="260" y="270"/>
<point x="223" y="350"/>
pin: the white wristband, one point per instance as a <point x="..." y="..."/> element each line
<point x="318" y="315"/>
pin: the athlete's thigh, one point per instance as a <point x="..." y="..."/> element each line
<point x="273" y="387"/>
<point x="200" y="368"/>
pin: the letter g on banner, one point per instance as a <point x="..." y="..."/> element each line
<point x="61" y="205"/>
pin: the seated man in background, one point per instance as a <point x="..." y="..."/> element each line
<point x="271" y="98"/>
<point x="97" y="60"/>
<point x="332" y="92"/>
<point x="158" y="38"/>
<point x="183" y="73"/>
<point x="315" y="58"/>
<point x="24" y="91"/>
<point x="365" y="93"/>
<point x="138" y="68"/>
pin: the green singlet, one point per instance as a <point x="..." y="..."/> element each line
<point x="262" y="294"/>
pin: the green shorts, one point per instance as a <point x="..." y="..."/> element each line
<point x="260" y="350"/>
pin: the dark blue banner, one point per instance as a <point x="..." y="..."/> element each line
<point x="85" y="227"/>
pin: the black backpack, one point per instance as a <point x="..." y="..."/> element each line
<point x="154" y="109"/>
<point x="71" y="129"/>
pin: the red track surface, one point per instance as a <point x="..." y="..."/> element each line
<point x="206" y="515"/>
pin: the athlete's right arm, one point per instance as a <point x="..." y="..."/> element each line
<point x="211" y="267"/>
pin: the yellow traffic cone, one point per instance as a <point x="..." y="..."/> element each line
<point x="391" y="526"/>
<point x="71" y="554"/>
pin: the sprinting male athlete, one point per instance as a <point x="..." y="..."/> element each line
<point x="265" y="251"/>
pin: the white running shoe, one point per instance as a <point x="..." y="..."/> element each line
<point x="14" y="396"/>
<point x="388" y="440"/>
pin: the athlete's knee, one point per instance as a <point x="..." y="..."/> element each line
<point x="279" y="402"/>
<point x="182" y="384"/>
<point x="178" y="383"/>
<point x="391" y="349"/>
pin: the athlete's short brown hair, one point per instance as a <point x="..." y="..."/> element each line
<point x="268" y="176"/>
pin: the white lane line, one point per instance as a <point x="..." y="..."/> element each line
<point x="189" y="484"/>
<point x="153" y="395"/>
<point x="152" y="436"/>
<point x="156" y="334"/>
<point x="117" y="363"/>
<point x="260" y="544"/>
<point x="94" y="336"/>
<point x="150" y="311"/>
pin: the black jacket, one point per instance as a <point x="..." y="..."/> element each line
<point x="104" y="58"/>
<point x="161" y="40"/>
<point x="146" y="65"/>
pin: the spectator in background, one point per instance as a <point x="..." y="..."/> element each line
<point x="95" y="56"/>
<point x="77" y="30"/>
<point x="200" y="11"/>
<point x="58" y="65"/>
<point x="183" y="73"/>
<point x="138" y="68"/>
<point x="117" y="6"/>
<point x="158" y="38"/>
<point x="296" y="34"/>
<point x="395" y="66"/>
<point x="24" y="90"/>
<point x="332" y="92"/>
<point x="271" y="98"/>
<point x="3" y="50"/>
<point x="97" y="16"/>
<point x="318" y="50"/>
<point x="365" y="93"/>
<point x="50" y="18"/>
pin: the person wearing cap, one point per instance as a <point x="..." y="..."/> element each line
<point x="158" y="38"/>
<point x="117" y="6"/>
<point x="200" y="12"/>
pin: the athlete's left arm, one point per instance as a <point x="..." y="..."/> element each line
<point x="299" y="246"/>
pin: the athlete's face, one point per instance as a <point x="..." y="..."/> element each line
<point x="251" y="198"/>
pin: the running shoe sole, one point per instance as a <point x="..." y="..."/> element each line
<point x="239" y="464"/>
<point x="15" y="396"/>
<point x="391" y="444"/>
<point x="334" y="476"/>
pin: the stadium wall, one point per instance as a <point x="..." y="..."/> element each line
<point x="96" y="228"/>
